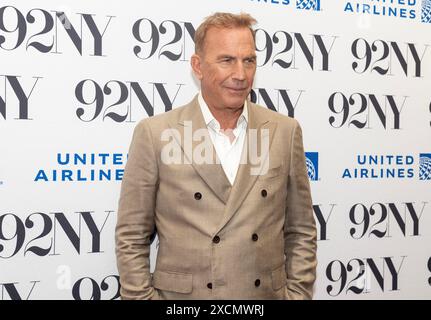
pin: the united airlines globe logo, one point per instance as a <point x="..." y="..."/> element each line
<point x="312" y="163"/>
<point x="311" y="170"/>
<point x="426" y="11"/>
<point x="425" y="166"/>
<point x="308" y="4"/>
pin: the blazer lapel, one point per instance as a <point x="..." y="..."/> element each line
<point x="190" y="120"/>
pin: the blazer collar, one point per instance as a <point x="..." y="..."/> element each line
<point x="192" y="112"/>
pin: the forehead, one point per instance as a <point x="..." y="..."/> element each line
<point x="229" y="39"/>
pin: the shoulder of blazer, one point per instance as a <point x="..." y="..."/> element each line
<point x="264" y="113"/>
<point x="161" y="121"/>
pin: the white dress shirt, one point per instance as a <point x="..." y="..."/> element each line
<point x="228" y="152"/>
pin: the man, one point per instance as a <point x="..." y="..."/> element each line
<point x="226" y="231"/>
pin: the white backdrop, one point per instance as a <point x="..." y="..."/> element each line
<point x="76" y="77"/>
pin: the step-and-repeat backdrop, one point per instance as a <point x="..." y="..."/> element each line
<point x="77" y="76"/>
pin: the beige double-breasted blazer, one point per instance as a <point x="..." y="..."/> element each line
<point x="255" y="239"/>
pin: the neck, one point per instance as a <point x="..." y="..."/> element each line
<point x="226" y="117"/>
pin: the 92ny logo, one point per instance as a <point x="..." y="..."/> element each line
<point x="363" y="111"/>
<point x="115" y="99"/>
<point x="378" y="220"/>
<point x="361" y="276"/>
<point x="388" y="58"/>
<point x="44" y="234"/>
<point x="375" y="220"/>
<point x="38" y="25"/>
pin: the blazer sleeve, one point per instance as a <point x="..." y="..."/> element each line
<point x="135" y="224"/>
<point x="300" y="234"/>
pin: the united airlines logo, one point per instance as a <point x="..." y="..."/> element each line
<point x="312" y="162"/>
<point x="425" y="166"/>
<point x="308" y="4"/>
<point x="426" y="11"/>
<point x="389" y="166"/>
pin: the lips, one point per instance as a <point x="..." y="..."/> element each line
<point x="236" y="89"/>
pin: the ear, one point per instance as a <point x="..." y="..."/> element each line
<point x="195" y="62"/>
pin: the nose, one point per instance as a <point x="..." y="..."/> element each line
<point x="239" y="71"/>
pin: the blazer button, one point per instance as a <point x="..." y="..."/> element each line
<point x="209" y="285"/>
<point x="254" y="237"/>
<point x="264" y="193"/>
<point x="198" y="196"/>
<point x="257" y="282"/>
<point x="216" y="239"/>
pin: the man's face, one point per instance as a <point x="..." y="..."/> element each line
<point x="226" y="67"/>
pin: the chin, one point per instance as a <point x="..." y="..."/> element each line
<point x="235" y="103"/>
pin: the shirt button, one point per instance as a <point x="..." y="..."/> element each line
<point x="209" y="285"/>
<point x="257" y="282"/>
<point x="264" y="193"/>
<point x="254" y="237"/>
<point x="216" y="239"/>
<point x="198" y="196"/>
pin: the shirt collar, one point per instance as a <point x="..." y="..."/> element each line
<point x="212" y="122"/>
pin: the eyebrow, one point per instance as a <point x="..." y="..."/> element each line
<point x="224" y="56"/>
<point x="227" y="56"/>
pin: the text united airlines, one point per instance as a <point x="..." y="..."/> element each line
<point x="381" y="167"/>
<point x="390" y="8"/>
<point x="84" y="167"/>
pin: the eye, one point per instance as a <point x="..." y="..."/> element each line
<point x="250" y="60"/>
<point x="226" y="60"/>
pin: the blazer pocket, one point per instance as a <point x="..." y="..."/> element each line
<point x="279" y="278"/>
<point x="173" y="281"/>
